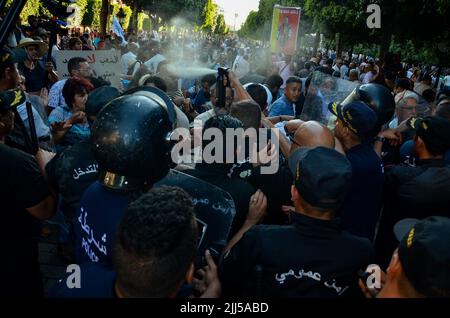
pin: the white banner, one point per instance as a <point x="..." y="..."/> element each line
<point x="104" y="64"/>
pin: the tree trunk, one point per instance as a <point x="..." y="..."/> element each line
<point x="134" y="26"/>
<point x="104" y="16"/>
<point x="438" y="77"/>
<point x="338" y="45"/>
<point x="385" y="44"/>
<point x="350" y="54"/>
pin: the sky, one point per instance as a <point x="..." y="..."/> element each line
<point x="241" y="7"/>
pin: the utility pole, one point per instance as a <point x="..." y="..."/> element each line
<point x="235" y="18"/>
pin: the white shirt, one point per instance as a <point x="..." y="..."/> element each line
<point x="42" y="130"/>
<point x="367" y="78"/>
<point x="153" y="63"/>
<point x="344" y="70"/>
<point x="240" y="67"/>
<point x="201" y="119"/>
<point x="447" y="81"/>
<point x="126" y="60"/>
<point x="284" y="70"/>
<point x="55" y="96"/>
<point x="54" y="50"/>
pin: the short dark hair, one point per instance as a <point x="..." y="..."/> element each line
<point x="426" y="77"/>
<point x="222" y="123"/>
<point x="248" y="112"/>
<point x="210" y="79"/>
<point x="98" y="81"/>
<point x="75" y="86"/>
<point x="259" y="95"/>
<point x="155" y="244"/>
<point x="158" y="82"/>
<point x="294" y="79"/>
<point x="74" y="64"/>
<point x="74" y="41"/>
<point x="403" y="83"/>
<point x="275" y="81"/>
<point x="429" y="95"/>
<point x="443" y="110"/>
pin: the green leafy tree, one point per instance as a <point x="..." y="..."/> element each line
<point x="92" y="16"/>
<point x="221" y="27"/>
<point x="209" y="16"/>
<point x="165" y="11"/>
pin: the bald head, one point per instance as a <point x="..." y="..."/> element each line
<point x="313" y="134"/>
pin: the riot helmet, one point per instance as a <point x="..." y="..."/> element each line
<point x="131" y="138"/>
<point x="379" y="98"/>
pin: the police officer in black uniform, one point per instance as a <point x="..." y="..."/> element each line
<point x="312" y="257"/>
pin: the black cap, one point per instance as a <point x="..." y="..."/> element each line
<point x="424" y="253"/>
<point x="434" y="131"/>
<point x="357" y="116"/>
<point x="99" y="98"/>
<point x="321" y="176"/>
<point x="11" y="98"/>
<point x="7" y="56"/>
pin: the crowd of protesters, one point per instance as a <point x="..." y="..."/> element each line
<point x="353" y="188"/>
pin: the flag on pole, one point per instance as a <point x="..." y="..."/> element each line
<point x="117" y="29"/>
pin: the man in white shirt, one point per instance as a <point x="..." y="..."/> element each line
<point x="447" y="80"/>
<point x="77" y="66"/>
<point x="240" y="66"/>
<point x="285" y="69"/>
<point x="129" y="58"/>
<point x="157" y="57"/>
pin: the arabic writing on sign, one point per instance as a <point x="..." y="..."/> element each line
<point x="112" y="60"/>
<point x="106" y="75"/>
<point x="87" y="243"/>
<point x="103" y="63"/>
<point x="77" y="173"/>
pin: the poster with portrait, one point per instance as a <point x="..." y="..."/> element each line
<point x="285" y="23"/>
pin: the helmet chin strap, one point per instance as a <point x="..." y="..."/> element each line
<point x="123" y="183"/>
<point x="350" y="98"/>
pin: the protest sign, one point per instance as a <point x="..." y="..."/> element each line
<point x="104" y="64"/>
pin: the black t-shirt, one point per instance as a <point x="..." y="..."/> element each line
<point x="22" y="186"/>
<point x="362" y="206"/>
<point x="310" y="258"/>
<point x="35" y="78"/>
<point x="412" y="192"/>
<point x="276" y="187"/>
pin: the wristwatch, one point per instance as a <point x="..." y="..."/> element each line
<point x="380" y="139"/>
